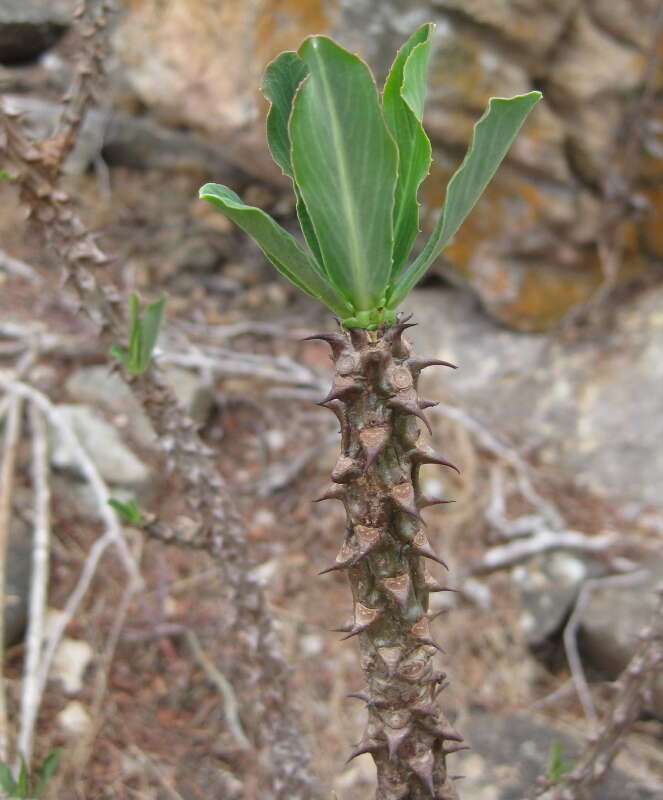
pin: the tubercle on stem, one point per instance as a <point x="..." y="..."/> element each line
<point x="385" y="549"/>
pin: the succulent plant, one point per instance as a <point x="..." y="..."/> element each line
<point x="357" y="159"/>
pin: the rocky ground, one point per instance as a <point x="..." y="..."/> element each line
<point x="558" y="520"/>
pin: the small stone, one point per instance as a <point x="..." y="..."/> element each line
<point x="71" y="659"/>
<point x="74" y="719"/>
<point x="116" y="463"/>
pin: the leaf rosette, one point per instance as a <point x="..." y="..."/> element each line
<point x="356" y="159"/>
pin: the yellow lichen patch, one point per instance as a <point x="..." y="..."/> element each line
<point x="284" y="24"/>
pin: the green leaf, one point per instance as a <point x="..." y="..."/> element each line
<point x="5" y="176"/>
<point x="128" y="511"/>
<point x="7" y="782"/>
<point x="149" y="331"/>
<point x="282" y="249"/>
<point x="558" y="765"/>
<point x="22" y="788"/>
<point x="403" y="104"/>
<point x="345" y="164"/>
<point x="143" y="334"/>
<point x="491" y="140"/>
<point x="46" y="771"/>
<point x="282" y="79"/>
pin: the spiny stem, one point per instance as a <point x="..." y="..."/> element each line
<point x="374" y="395"/>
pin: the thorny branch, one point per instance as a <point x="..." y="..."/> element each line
<point x="633" y="686"/>
<point x="263" y="680"/>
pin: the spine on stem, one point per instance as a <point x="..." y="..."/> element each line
<point x="386" y="552"/>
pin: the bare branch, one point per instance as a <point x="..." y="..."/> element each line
<point x="633" y="686"/>
<point x="226" y="690"/>
<point x="30" y="689"/>
<point x="12" y="436"/>
<point x="541" y="541"/>
<point x="15" y="267"/>
<point x="571" y="634"/>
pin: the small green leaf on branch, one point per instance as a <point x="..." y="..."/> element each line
<point x="558" y="765"/>
<point x="143" y="334"/>
<point x="128" y="511"/>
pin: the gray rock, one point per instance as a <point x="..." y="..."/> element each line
<point x="611" y="621"/>
<point x="549" y="585"/>
<point x="585" y="411"/>
<point x="98" y="386"/>
<point x="101" y="388"/>
<point x="194" y="394"/>
<point x="116" y="463"/>
<point x="510" y="751"/>
<point x="27" y="28"/>
<point x="123" y="140"/>
<point x="17" y="576"/>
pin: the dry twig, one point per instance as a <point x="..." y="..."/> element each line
<point x="633" y="686"/>
<point x="30" y="689"/>
<point x="12" y="436"/>
<point x="230" y="709"/>
<point x="571" y="636"/>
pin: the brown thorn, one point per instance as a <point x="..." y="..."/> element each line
<point x="417" y="364"/>
<point x="454" y="747"/>
<point x="364" y="747"/>
<point x="358" y="337"/>
<point x="335" y="340"/>
<point x="343" y="558"/>
<point x="354" y="632"/>
<point x="421" y="546"/>
<point x="407" y="407"/>
<point x="333" y="568"/>
<point x="337" y="407"/>
<point x="359" y="696"/>
<point x="398" y="588"/>
<point x="341" y="629"/>
<point x="395" y="737"/>
<point x="403" y="496"/>
<point x="451" y="733"/>
<point x="439" y="689"/>
<point x="341" y="388"/>
<point x="426" y="455"/>
<point x="423" y="769"/>
<point x="333" y="492"/>
<point x="373" y="441"/>
<point x="425" y="501"/>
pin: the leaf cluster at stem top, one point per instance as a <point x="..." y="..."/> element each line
<point x="356" y="158"/>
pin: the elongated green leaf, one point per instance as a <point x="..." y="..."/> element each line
<point x="282" y="249"/>
<point x="7" y="782"/>
<point x="281" y="81"/>
<point x="282" y="78"/>
<point x="22" y="785"/>
<point x="491" y="140"/>
<point x="403" y="104"/>
<point x="345" y="164"/>
<point x="149" y="331"/>
<point x="47" y="770"/>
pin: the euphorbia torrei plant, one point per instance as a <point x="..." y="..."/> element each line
<point x="356" y="159"/>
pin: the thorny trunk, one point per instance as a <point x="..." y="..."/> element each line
<point x="374" y="396"/>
